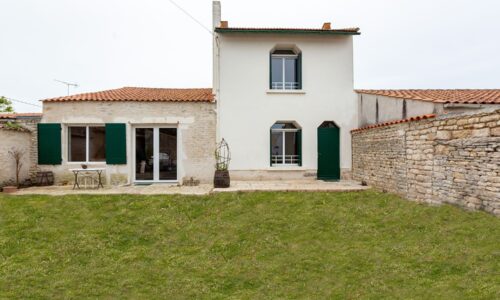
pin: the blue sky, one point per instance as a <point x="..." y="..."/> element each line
<point x="109" y="44"/>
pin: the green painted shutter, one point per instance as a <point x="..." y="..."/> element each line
<point x="116" y="144"/>
<point x="270" y="71"/>
<point x="299" y="70"/>
<point x="271" y="147"/>
<point x="299" y="146"/>
<point x="49" y="144"/>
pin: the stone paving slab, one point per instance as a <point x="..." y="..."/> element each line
<point x="203" y="189"/>
<point x="153" y="189"/>
<point x="293" y="186"/>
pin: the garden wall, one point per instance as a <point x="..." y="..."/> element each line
<point x="450" y="159"/>
<point x="18" y="131"/>
<point x="12" y="138"/>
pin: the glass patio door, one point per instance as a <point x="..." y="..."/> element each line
<point x="155" y="154"/>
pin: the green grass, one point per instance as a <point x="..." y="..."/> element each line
<point x="251" y="246"/>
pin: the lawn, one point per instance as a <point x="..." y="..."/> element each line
<point x="245" y="245"/>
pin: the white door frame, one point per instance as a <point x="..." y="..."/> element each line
<point x="156" y="158"/>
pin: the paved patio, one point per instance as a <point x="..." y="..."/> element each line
<point x="203" y="189"/>
<point x="293" y="186"/>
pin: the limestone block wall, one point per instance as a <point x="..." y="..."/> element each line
<point x="14" y="139"/>
<point x="195" y="122"/>
<point x="31" y="125"/>
<point x="379" y="157"/>
<point x="451" y="159"/>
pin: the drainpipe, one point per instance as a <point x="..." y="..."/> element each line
<point x="216" y="20"/>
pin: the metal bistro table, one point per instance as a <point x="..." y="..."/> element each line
<point x="76" y="172"/>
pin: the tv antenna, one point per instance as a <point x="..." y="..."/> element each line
<point x="68" y="84"/>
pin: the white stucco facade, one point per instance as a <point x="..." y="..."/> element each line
<point x="247" y="108"/>
<point x="375" y="109"/>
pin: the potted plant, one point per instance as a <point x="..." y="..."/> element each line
<point x="222" y="158"/>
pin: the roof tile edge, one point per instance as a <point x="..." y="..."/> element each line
<point x="389" y="123"/>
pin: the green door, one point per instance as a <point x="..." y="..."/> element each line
<point x="328" y="151"/>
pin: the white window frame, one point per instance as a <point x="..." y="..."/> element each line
<point x="87" y="145"/>
<point x="283" y="57"/>
<point x="156" y="158"/>
<point x="283" y="155"/>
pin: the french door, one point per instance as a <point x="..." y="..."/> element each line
<point x="155" y="154"/>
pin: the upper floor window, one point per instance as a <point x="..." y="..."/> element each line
<point x="286" y="70"/>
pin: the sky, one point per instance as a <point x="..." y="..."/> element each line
<point x="106" y="44"/>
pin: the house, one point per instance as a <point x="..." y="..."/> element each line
<point x="279" y="95"/>
<point x="138" y="135"/>
<point x="379" y="106"/>
<point x="283" y="99"/>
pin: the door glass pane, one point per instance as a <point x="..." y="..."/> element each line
<point x="97" y="144"/>
<point x="77" y="144"/>
<point x="291" y="153"/>
<point x="144" y="158"/>
<point x="277" y="147"/>
<point x="291" y="74"/>
<point x="277" y="73"/>
<point x="168" y="154"/>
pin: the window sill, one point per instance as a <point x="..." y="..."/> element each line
<point x="286" y="92"/>
<point x="86" y="162"/>
<point x="286" y="168"/>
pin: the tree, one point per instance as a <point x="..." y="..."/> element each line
<point x="6" y="105"/>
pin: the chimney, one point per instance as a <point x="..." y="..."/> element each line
<point x="224" y="24"/>
<point x="327" y="26"/>
<point x="216" y="13"/>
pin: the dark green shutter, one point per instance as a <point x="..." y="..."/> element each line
<point x="116" y="144"/>
<point x="299" y="70"/>
<point x="299" y="146"/>
<point x="49" y="144"/>
<point x="270" y="71"/>
<point x="271" y="147"/>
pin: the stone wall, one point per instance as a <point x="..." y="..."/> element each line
<point x="11" y="139"/>
<point x="23" y="138"/>
<point x="450" y="159"/>
<point x="195" y="121"/>
<point x="379" y="157"/>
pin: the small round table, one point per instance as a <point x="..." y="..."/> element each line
<point x="99" y="171"/>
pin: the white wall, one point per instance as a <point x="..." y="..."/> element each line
<point x="247" y="109"/>
<point x="390" y="109"/>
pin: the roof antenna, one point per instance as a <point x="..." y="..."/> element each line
<point x="68" y="84"/>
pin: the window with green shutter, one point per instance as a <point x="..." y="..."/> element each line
<point x="116" y="144"/>
<point x="49" y="144"/>
<point x="286" y="144"/>
<point x="285" y="68"/>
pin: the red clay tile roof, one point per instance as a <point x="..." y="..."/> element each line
<point x="16" y="115"/>
<point x="417" y="118"/>
<point x="354" y="31"/>
<point x="142" y="94"/>
<point x="465" y="96"/>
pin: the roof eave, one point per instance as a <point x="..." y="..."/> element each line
<point x="287" y="31"/>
